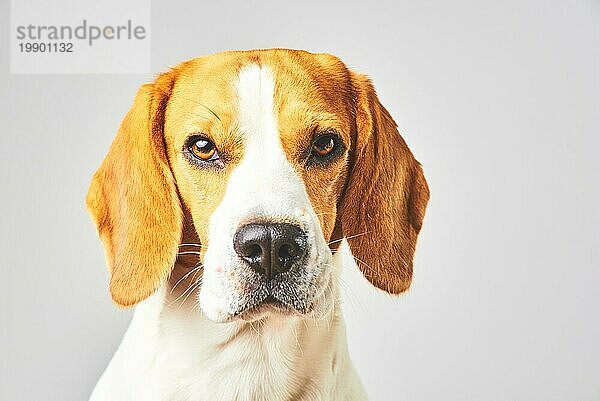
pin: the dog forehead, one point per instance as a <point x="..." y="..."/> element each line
<point x="242" y="98"/>
<point x="302" y="80"/>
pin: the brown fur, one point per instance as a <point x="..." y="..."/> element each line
<point x="386" y="196"/>
<point x="146" y="189"/>
<point x="134" y="202"/>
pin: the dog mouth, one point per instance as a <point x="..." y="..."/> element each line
<point x="282" y="303"/>
<point x="268" y="306"/>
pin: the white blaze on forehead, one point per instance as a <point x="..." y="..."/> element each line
<point x="264" y="159"/>
<point x="265" y="178"/>
<point x="256" y="89"/>
<point x="263" y="185"/>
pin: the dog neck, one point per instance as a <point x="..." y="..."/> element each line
<point x="276" y="357"/>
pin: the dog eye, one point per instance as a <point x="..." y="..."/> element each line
<point x="324" y="145"/>
<point x="203" y="148"/>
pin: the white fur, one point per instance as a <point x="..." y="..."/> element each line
<point x="264" y="184"/>
<point x="176" y="354"/>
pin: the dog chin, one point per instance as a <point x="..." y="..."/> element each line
<point x="270" y="308"/>
<point x="273" y="308"/>
<point x="269" y="303"/>
<point x="263" y="310"/>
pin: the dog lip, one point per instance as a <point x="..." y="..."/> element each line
<point x="268" y="304"/>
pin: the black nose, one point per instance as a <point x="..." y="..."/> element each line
<point x="270" y="248"/>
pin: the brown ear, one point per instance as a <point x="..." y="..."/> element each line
<point x="386" y="196"/>
<point x="134" y="202"/>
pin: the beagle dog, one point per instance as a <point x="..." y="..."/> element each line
<point x="221" y="206"/>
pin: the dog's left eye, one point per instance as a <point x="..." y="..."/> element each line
<point x="203" y="148"/>
<point x="324" y="145"/>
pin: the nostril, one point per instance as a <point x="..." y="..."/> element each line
<point x="289" y="243"/>
<point x="285" y="252"/>
<point x="252" y="241"/>
<point x="254" y="251"/>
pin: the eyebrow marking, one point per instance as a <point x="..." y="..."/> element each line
<point x="205" y="106"/>
<point x="213" y="113"/>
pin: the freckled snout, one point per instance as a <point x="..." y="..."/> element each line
<point x="270" y="249"/>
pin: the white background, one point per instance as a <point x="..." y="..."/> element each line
<point x="499" y="101"/>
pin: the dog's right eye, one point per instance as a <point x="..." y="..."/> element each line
<point x="324" y="145"/>
<point x="202" y="148"/>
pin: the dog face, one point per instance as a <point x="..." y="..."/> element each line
<point x="250" y="164"/>
<point x="273" y="157"/>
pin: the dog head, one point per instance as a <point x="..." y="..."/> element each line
<point x="268" y="159"/>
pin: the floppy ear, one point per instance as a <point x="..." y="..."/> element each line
<point x="386" y="196"/>
<point x="134" y="202"/>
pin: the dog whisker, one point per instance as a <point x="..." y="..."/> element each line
<point x="351" y="297"/>
<point x="189" y="289"/>
<point x="185" y="276"/>
<point x="351" y="236"/>
<point x="194" y="287"/>
<point x="365" y="264"/>
<point x="298" y="342"/>
<point x="360" y="261"/>
<point x="254" y="328"/>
